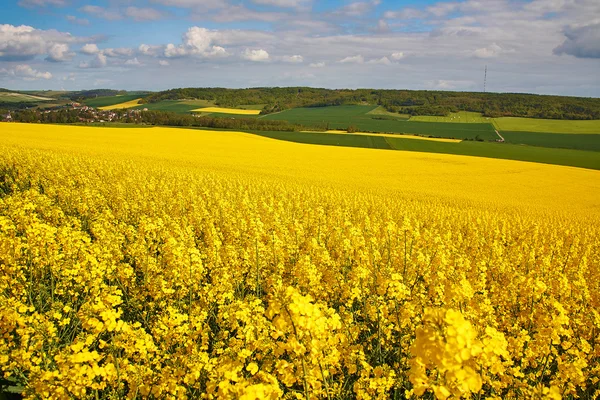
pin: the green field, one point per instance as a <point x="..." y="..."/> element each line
<point x="381" y="111"/>
<point x="547" y="125"/>
<point x="14" y="97"/>
<point x="569" y="157"/>
<point x="109" y="100"/>
<point x="176" y="106"/>
<point x="578" y="141"/>
<point x="465" y="117"/>
<point x="341" y="117"/>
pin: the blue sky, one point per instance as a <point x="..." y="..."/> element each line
<point x="535" y="46"/>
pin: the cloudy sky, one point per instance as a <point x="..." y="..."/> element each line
<point x="534" y="46"/>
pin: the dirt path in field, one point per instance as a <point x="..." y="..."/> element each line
<point x="499" y="135"/>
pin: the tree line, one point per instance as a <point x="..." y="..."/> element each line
<point x="412" y="102"/>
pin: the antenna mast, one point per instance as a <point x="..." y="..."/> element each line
<point x="484" y="79"/>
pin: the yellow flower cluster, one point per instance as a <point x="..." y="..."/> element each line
<point x="130" y="273"/>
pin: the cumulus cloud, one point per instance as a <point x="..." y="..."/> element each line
<point x="134" y="61"/>
<point x="317" y="65"/>
<point x="98" y="62"/>
<point x="353" y="60"/>
<point x="241" y="13"/>
<point x="382" y="61"/>
<point x="357" y="9"/>
<point x="198" y="4"/>
<point x="397" y="55"/>
<point x="143" y="13"/>
<point x="77" y="21"/>
<point x="407" y="13"/>
<point x="149" y="50"/>
<point x="258" y="55"/>
<point x="118" y="53"/>
<point x="25" y="42"/>
<point x="90" y="48"/>
<point x="197" y="42"/>
<point x="101" y="12"/>
<point x="25" y="72"/>
<point x="581" y="42"/>
<point x="283" y="3"/>
<point x="488" y="52"/>
<point x="59" y="52"/>
<point x="163" y="63"/>
<point x="295" y="59"/>
<point x="41" y="3"/>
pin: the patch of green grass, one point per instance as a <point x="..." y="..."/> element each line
<point x="547" y="125"/>
<point x="176" y="106"/>
<point x="578" y="141"/>
<point x="465" y="117"/>
<point x="13" y="97"/>
<point x="341" y="117"/>
<point x="381" y="111"/>
<point x="109" y="100"/>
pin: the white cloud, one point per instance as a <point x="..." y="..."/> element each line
<point x="258" y="55"/>
<point x="25" y="72"/>
<point x="397" y="55"/>
<point x="143" y="13"/>
<point x="198" y="4"/>
<point x="98" y="62"/>
<point x="317" y="65"/>
<point x="118" y="53"/>
<point x="133" y="61"/>
<point x="78" y="21"/>
<point x="149" y="50"/>
<point x="382" y="61"/>
<point x="41" y="3"/>
<point x="90" y="48"/>
<point x="295" y="59"/>
<point x="359" y="59"/>
<point x="357" y="9"/>
<point x="100" y="12"/>
<point x="283" y="3"/>
<point x="163" y="63"/>
<point x="59" y="52"/>
<point x="241" y="13"/>
<point x="196" y="42"/>
<point x="407" y="13"/>
<point x="488" y="52"/>
<point x="25" y="42"/>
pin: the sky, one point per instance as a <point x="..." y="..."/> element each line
<point x="530" y="46"/>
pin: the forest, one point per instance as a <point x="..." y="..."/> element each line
<point x="412" y="102"/>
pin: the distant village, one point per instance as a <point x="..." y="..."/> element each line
<point x="72" y="113"/>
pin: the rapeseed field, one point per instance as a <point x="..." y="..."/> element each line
<point x="172" y="263"/>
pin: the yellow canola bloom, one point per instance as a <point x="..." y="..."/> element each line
<point x="173" y="263"/>
<point x="336" y="131"/>
<point x="127" y="104"/>
<point x="227" y="111"/>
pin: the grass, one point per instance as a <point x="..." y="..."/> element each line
<point x="176" y="106"/>
<point x="465" y="117"/>
<point x="383" y="112"/>
<point x="547" y="125"/>
<point x="109" y="100"/>
<point x="341" y="117"/>
<point x="13" y="97"/>
<point x="568" y="157"/>
<point x="578" y="141"/>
